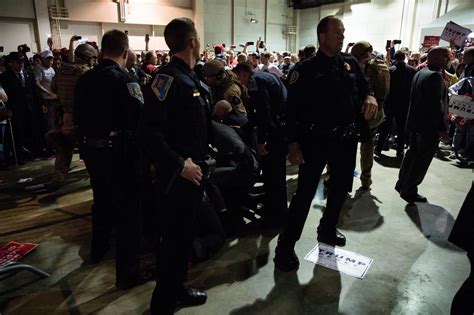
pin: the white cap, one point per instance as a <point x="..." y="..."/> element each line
<point x="47" y="54"/>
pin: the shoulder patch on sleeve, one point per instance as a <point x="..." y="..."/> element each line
<point x="135" y="91"/>
<point x="294" y="77"/>
<point x="161" y="85"/>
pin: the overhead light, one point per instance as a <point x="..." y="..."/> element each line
<point x="254" y="21"/>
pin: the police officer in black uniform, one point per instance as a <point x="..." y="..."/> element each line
<point x="107" y="104"/>
<point x="176" y="124"/>
<point x="267" y="107"/>
<point x="327" y="93"/>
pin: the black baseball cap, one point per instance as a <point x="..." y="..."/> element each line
<point x="15" y="56"/>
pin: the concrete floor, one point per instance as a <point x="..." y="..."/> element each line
<point x="415" y="269"/>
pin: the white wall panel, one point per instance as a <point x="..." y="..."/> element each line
<point x="88" y="30"/>
<point x="16" y="32"/>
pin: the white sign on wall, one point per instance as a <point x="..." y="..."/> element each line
<point x="339" y="259"/>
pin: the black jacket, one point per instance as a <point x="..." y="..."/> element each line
<point x="401" y="78"/>
<point x="267" y="101"/>
<point x="106" y="99"/>
<point x="325" y="91"/>
<point x="19" y="97"/>
<point x="176" y="118"/>
<point x="428" y="103"/>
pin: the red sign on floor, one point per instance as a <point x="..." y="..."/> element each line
<point x="14" y="251"/>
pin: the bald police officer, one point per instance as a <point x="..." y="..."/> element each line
<point x="327" y="93"/>
<point x="107" y="103"/>
<point x="176" y="128"/>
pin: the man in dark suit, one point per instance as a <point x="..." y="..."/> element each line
<point x="397" y="103"/>
<point x="426" y="124"/>
<point x="18" y="83"/>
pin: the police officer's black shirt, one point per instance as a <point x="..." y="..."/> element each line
<point x="267" y="97"/>
<point x="107" y="99"/>
<point x="325" y="92"/>
<point x="176" y="117"/>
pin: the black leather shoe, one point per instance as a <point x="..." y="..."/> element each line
<point x="191" y="297"/>
<point x="286" y="259"/>
<point x="334" y="238"/>
<point x="413" y="198"/>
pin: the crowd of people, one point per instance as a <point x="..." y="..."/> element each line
<point x="201" y="127"/>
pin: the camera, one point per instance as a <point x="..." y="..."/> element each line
<point x="262" y="44"/>
<point x="250" y="43"/>
<point x="351" y="44"/>
<point x="24" y="48"/>
<point x="397" y="41"/>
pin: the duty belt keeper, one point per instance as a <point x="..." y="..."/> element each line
<point x="98" y="143"/>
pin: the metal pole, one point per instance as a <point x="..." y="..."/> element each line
<point x="11" y="134"/>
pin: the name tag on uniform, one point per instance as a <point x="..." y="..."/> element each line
<point x="196" y="93"/>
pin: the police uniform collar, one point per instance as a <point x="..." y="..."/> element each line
<point x="181" y="63"/>
<point x="107" y="63"/>
<point x="320" y="54"/>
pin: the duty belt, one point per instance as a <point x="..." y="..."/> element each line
<point x="342" y="132"/>
<point x="115" y="138"/>
<point x="98" y="143"/>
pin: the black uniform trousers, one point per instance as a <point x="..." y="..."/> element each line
<point x="340" y="156"/>
<point x="274" y="179"/>
<point x="417" y="160"/>
<point x="179" y="209"/>
<point x="114" y="187"/>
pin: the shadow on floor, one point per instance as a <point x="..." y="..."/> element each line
<point x="463" y="164"/>
<point x="320" y="295"/>
<point x="388" y="161"/>
<point x="360" y="213"/>
<point x="433" y="221"/>
<point x="236" y="262"/>
<point x="14" y="194"/>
